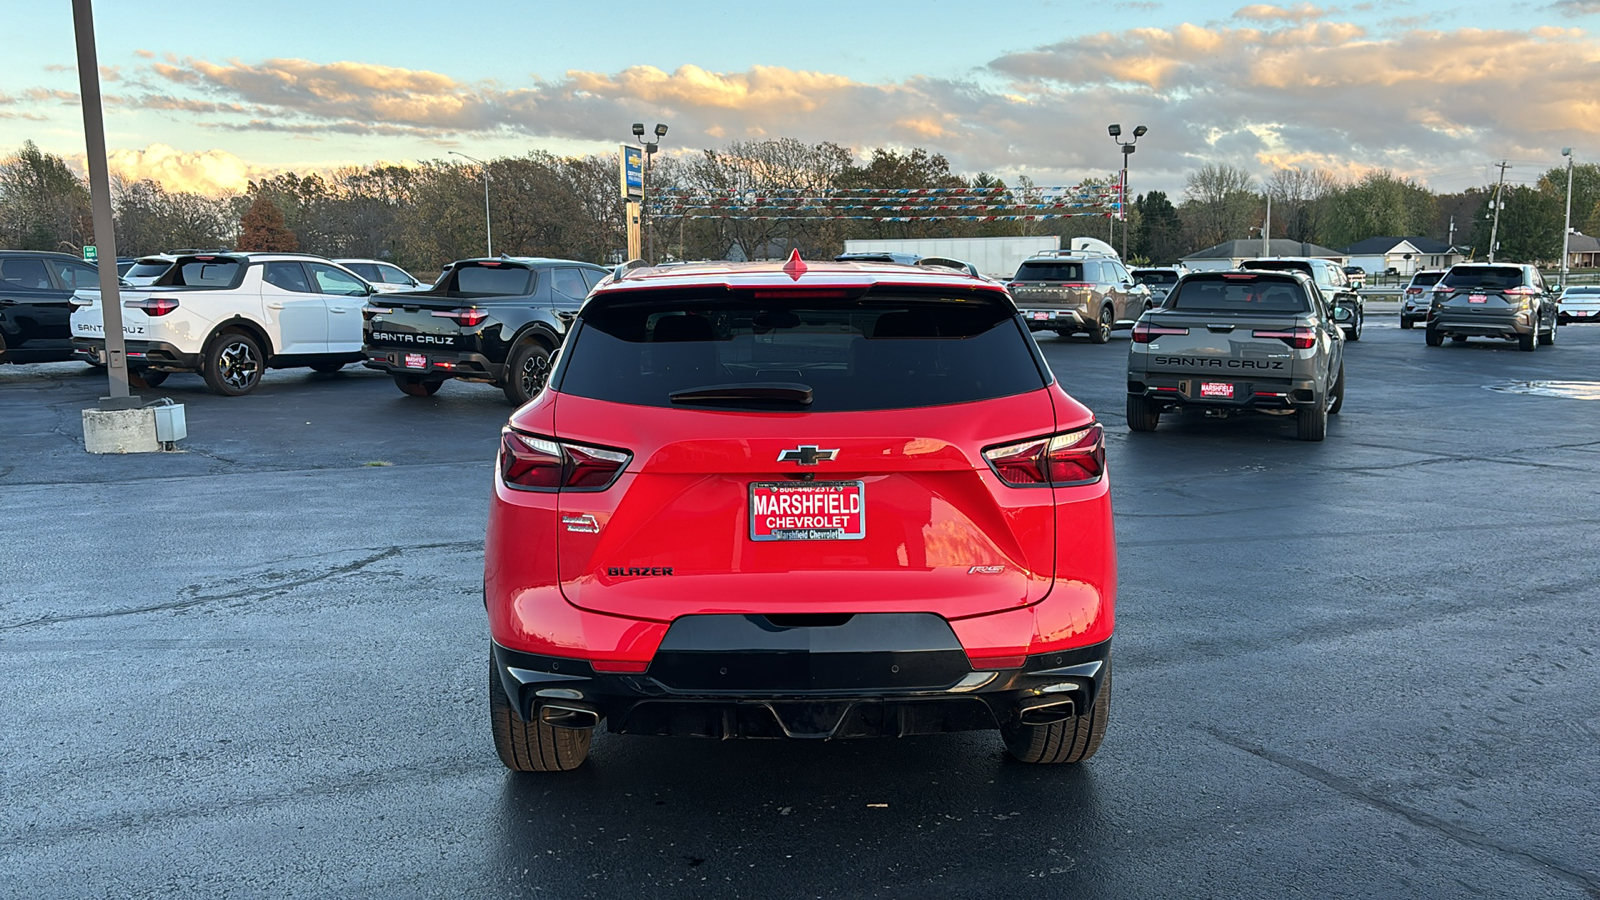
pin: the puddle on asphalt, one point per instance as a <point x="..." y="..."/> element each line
<point x="1572" y="390"/>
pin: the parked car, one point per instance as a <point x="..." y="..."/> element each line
<point x="498" y="321"/>
<point x="750" y="488"/>
<point x="1417" y="297"/>
<point x="1249" y="341"/>
<point x="1158" y="279"/>
<point x="230" y="317"/>
<point x="1078" y="291"/>
<point x="1578" y="303"/>
<point x="1506" y="301"/>
<point x="146" y="269"/>
<point x="384" y="277"/>
<point x="1343" y="296"/>
<point x="35" y="304"/>
<point x="1357" y="276"/>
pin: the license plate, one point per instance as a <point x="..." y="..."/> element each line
<point x="1215" y="389"/>
<point x="1477" y="298"/>
<point x="808" y="511"/>
<point x="1041" y="316"/>
<point x="416" y="361"/>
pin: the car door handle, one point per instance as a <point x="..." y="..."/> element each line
<point x="274" y="305"/>
<point x="337" y="309"/>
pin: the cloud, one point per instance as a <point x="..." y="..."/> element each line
<point x="1575" y="8"/>
<point x="209" y="172"/>
<point x="1273" y="85"/>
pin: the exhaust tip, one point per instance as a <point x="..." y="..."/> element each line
<point x="558" y="715"/>
<point x="1048" y="712"/>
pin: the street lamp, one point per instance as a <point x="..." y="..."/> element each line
<point x="488" y="236"/>
<point x="1566" y="227"/>
<point x="1127" y="150"/>
<point x="650" y="148"/>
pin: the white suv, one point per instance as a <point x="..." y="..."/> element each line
<point x="230" y="317"/>
<point x="385" y="278"/>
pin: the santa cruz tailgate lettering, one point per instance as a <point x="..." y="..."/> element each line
<point x="436" y="340"/>
<point x="1204" y="362"/>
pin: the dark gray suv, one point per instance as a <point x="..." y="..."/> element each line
<point x="1507" y="301"/>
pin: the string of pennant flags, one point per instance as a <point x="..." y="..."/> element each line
<point x="963" y="204"/>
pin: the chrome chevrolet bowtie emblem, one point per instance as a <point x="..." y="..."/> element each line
<point x="807" y="455"/>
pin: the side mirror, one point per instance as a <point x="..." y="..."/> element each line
<point x="1341" y="314"/>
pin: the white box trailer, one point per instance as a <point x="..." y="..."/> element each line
<point x="996" y="257"/>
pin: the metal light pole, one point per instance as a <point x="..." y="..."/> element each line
<point x="1127" y="150"/>
<point x="488" y="236"/>
<point x="1566" y="226"/>
<point x="94" y="132"/>
<point x="650" y="148"/>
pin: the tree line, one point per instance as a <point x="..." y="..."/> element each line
<point x="425" y="215"/>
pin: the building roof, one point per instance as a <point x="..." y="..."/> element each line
<point x="1251" y="249"/>
<point x="1377" y="246"/>
<point x="1578" y="242"/>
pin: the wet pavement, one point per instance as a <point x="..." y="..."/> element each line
<point x="1360" y="668"/>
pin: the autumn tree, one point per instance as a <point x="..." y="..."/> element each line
<point x="1380" y="204"/>
<point x="1219" y="204"/>
<point x="263" y="228"/>
<point x="1300" y="202"/>
<point x="43" y="206"/>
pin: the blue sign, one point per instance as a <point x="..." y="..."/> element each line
<point x="632" y="172"/>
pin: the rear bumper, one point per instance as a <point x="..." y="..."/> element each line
<point x="1176" y="391"/>
<point x="1482" y="324"/>
<point x="140" y="354"/>
<point x="731" y="677"/>
<point x="1049" y="319"/>
<point x="430" y="363"/>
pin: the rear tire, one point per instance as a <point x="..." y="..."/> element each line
<point x="1549" y="339"/>
<point x="147" y="378"/>
<point x="1311" y="422"/>
<point x="532" y="746"/>
<point x="1354" y="334"/>
<point x="232" y="363"/>
<point x="1407" y="324"/>
<point x="415" y="386"/>
<point x="1101" y="332"/>
<point x="1433" y="337"/>
<point x="527" y="371"/>
<point x="1529" y="342"/>
<point x="1142" y="414"/>
<point x="1072" y="741"/>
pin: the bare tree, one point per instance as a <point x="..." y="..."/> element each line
<point x="1300" y="201"/>
<point x="1220" y="203"/>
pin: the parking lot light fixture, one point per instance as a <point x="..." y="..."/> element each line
<point x="1115" y="131"/>
<point x="650" y="148"/>
<point x="488" y="236"/>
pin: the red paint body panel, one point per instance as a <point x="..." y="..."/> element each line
<point x="934" y="514"/>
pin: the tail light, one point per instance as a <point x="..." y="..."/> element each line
<point x="1413" y="290"/>
<point x="1144" y="334"/>
<point x="1060" y="460"/>
<point x="156" y="306"/>
<point x="368" y="311"/>
<point x="1011" y="286"/>
<point x="528" y="462"/>
<point x="1523" y="291"/>
<point x="1442" y="289"/>
<point x="1298" y="338"/>
<point x="471" y="317"/>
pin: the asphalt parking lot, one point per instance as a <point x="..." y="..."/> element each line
<point x="1360" y="668"/>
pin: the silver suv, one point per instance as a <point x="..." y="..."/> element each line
<point x="1509" y="301"/>
<point x="1072" y="291"/>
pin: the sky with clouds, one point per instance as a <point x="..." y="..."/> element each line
<point x="203" y="96"/>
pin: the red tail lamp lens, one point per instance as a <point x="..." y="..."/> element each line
<point x="470" y="317"/>
<point x="1144" y="334"/>
<point x="537" y="463"/>
<point x="157" y="306"/>
<point x="1298" y="338"/>
<point x="1071" y="458"/>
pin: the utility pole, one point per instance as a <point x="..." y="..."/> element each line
<point x="1494" y="230"/>
<point x="1266" y="230"/>
<point x="1566" y="226"/>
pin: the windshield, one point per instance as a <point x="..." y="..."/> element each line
<point x="1050" y="271"/>
<point x="1425" y="279"/>
<point x="878" y="351"/>
<point x="148" y="268"/>
<point x="1239" y="293"/>
<point x="1156" y="278"/>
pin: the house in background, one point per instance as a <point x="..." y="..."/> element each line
<point x="1405" y="255"/>
<point x="1229" y="254"/>
<point x="1583" y="251"/>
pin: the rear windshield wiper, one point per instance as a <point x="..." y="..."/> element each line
<point x="743" y="393"/>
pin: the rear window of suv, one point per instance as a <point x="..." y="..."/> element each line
<point x="490" y="280"/>
<point x="1156" y="278"/>
<point x="1238" y="293"/>
<point x="1051" y="271"/>
<point x="204" y="271"/>
<point x="877" y="351"/>
<point x="1486" y="277"/>
<point x="1426" y="279"/>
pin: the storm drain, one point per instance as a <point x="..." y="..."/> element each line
<point x="1571" y="390"/>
